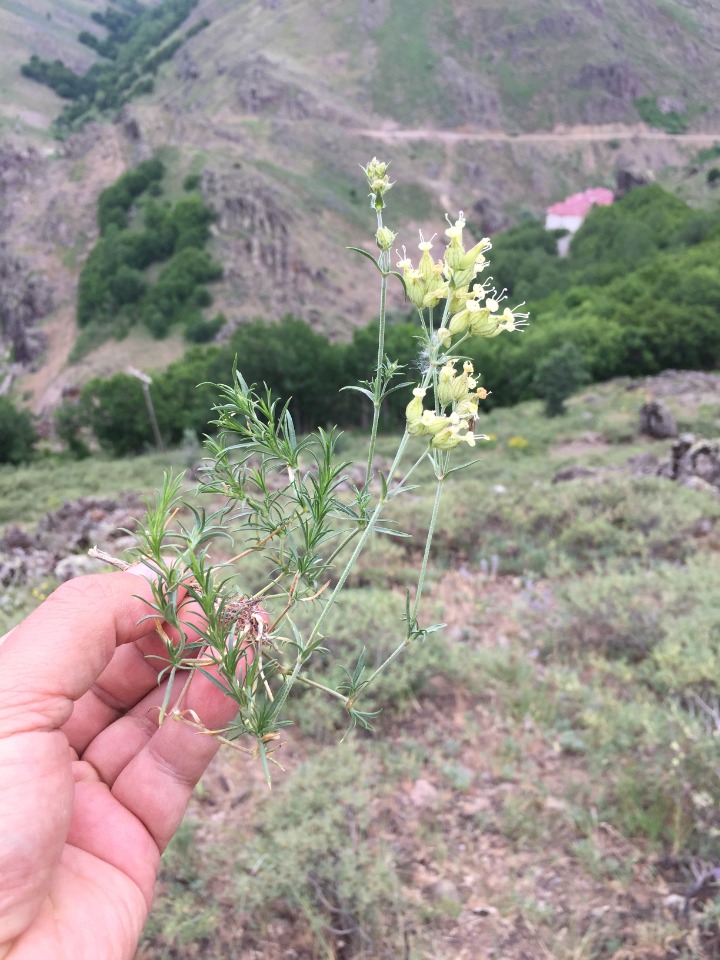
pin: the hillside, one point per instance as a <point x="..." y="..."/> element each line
<point x="495" y="110"/>
<point x="520" y="796"/>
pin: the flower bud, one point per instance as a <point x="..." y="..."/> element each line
<point x="446" y="385"/>
<point x="455" y="250"/>
<point x="385" y="238"/>
<point x="474" y="258"/>
<point x="460" y="323"/>
<point x="415" y="287"/>
<point x="483" y="324"/>
<point x="433" y="423"/>
<point x="461" y="276"/>
<point x="451" y="436"/>
<point x="468" y="406"/>
<point x="426" y="265"/>
<point x="459" y="299"/>
<point x="414" y="410"/>
<point x="375" y="170"/>
<point x="436" y="291"/>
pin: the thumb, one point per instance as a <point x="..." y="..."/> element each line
<point x="55" y="655"/>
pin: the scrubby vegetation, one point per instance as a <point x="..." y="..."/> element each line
<point x="130" y="55"/>
<point x="551" y="754"/>
<point x="17" y="433"/>
<point x="137" y="232"/>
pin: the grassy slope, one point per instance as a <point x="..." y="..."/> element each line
<point x="521" y="793"/>
<point x="50" y="31"/>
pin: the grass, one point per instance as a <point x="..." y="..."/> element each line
<point x="404" y="82"/>
<point x="553" y="749"/>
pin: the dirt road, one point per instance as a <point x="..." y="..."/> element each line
<point x="558" y="135"/>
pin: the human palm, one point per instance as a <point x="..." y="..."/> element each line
<point x="91" y="788"/>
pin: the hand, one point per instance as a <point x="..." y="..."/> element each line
<point x="91" y="789"/>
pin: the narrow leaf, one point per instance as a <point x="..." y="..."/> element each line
<point x="214" y="680"/>
<point x="401" y="278"/>
<point x="463" y="466"/>
<point x="367" y="393"/>
<point x="369" y="257"/>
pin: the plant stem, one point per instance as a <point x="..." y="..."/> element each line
<point x="408" y="639"/>
<point x="428" y="543"/>
<point x="384" y="264"/>
<point x="388" y="660"/>
<point x="166" y="698"/>
<point x="398" y="456"/>
<point x="341" y="546"/>
<point x="321" y="686"/>
<point x="401" y="485"/>
<point x="346" y="572"/>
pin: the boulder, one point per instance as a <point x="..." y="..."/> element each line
<point x="656" y="421"/>
<point x="694" y="462"/>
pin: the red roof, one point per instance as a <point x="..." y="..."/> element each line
<point x="579" y="204"/>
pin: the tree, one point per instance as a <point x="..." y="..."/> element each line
<point x="17" y="433"/>
<point x="558" y="376"/>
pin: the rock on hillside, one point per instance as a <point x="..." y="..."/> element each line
<point x="25" y="300"/>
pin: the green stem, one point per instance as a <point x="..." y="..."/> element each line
<point x="166" y="698"/>
<point x="428" y="543"/>
<point x="401" y="484"/>
<point x="398" y="456"/>
<point x="384" y="264"/>
<point x="346" y="572"/>
<point x="386" y="663"/>
<point x="341" y="546"/>
<point x="378" y="377"/>
<point x="321" y="686"/>
<point x="279" y="701"/>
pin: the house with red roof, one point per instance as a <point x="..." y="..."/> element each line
<point x="568" y="214"/>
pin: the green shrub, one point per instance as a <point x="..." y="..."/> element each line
<point x="558" y="375"/>
<point x="70" y="419"/>
<point x="672" y="121"/>
<point x="317" y="855"/>
<point x="191" y="182"/>
<point x="198" y="330"/>
<point x="132" y="34"/>
<point x="17" y="433"/>
<point x="118" y="415"/>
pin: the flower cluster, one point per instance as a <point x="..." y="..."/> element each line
<point x="459" y="394"/>
<point x="472" y="309"/>
<point x="379" y="183"/>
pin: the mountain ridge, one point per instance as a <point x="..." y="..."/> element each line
<point x="276" y="103"/>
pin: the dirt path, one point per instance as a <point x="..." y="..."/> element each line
<point x="559" y="135"/>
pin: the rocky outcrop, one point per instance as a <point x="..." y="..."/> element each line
<point x="618" y="79"/>
<point x="694" y="462"/>
<point x="656" y="421"/>
<point x="257" y="232"/>
<point x="24" y="299"/>
<point x="18" y="169"/>
<point x="59" y="546"/>
<point x="261" y="88"/>
<point x="627" y="179"/>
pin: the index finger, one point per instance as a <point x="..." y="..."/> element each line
<point x="55" y="655"/>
